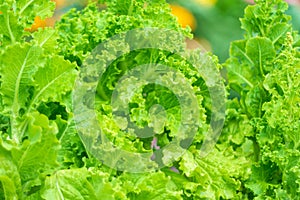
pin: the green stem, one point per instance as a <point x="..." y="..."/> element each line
<point x="24" y="7"/>
<point x="260" y="63"/>
<point x="15" y="108"/>
<point x="12" y="37"/>
<point x="256" y="149"/>
<point x="130" y="8"/>
<point x="244" y="79"/>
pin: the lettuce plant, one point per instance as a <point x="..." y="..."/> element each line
<point x="263" y="73"/>
<point x="43" y="155"/>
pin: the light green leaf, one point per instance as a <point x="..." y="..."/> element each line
<point x="71" y="184"/>
<point x="72" y="151"/>
<point x="260" y="19"/>
<point x="53" y="80"/>
<point x="18" y="15"/>
<point x="10" y="29"/>
<point x="242" y="75"/>
<point x="38" y="152"/>
<point x="254" y="101"/>
<point x="33" y="8"/>
<point x="261" y="51"/>
<point x="212" y="178"/>
<point x="263" y="178"/>
<point x="279" y="31"/>
<point x="154" y="185"/>
<point x="10" y="182"/>
<point x="19" y="64"/>
<point x="46" y="38"/>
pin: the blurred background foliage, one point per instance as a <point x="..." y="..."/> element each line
<point x="215" y="23"/>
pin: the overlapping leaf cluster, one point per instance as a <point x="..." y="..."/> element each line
<point x="35" y="94"/>
<point x="42" y="155"/>
<point x="263" y="74"/>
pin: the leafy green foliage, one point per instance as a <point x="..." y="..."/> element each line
<point x="81" y="184"/>
<point x="17" y="15"/>
<point x="42" y="155"/>
<point x="81" y="31"/>
<point x="264" y="72"/>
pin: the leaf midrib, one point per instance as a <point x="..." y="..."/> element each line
<point x="17" y="84"/>
<point x="44" y="88"/>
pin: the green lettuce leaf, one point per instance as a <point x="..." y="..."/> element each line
<point x="10" y="182"/>
<point x="10" y="29"/>
<point x="81" y="184"/>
